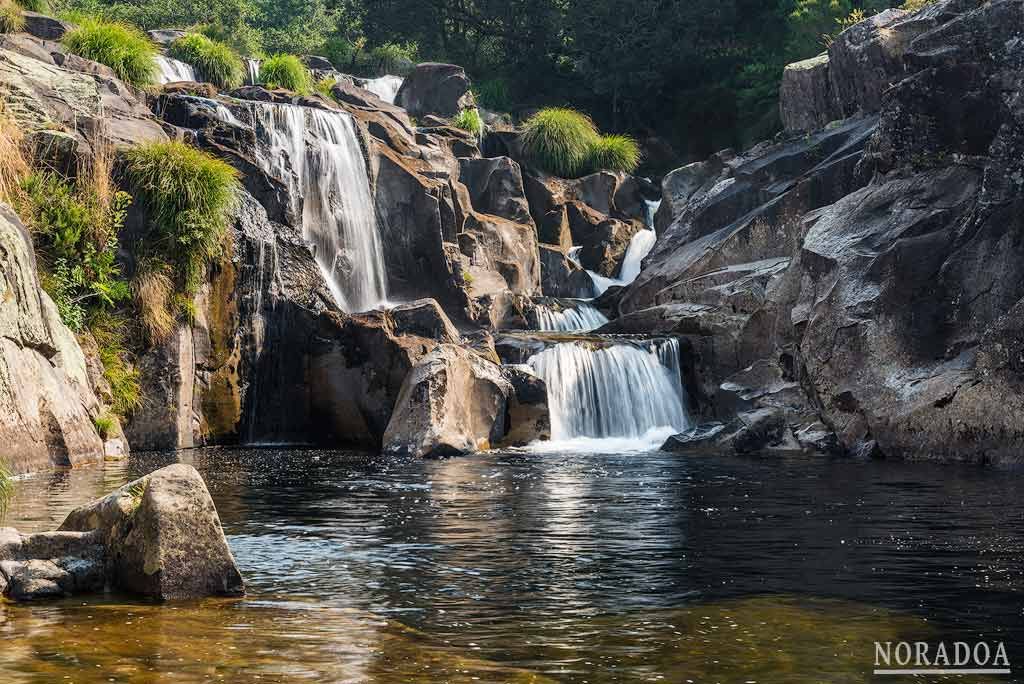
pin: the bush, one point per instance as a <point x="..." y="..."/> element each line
<point x="75" y="229"/>
<point x="469" y="120"/>
<point x="40" y="6"/>
<point x="614" y="153"/>
<point x="559" y="141"/>
<point x="11" y="18"/>
<point x="288" y="72"/>
<point x="111" y="333"/>
<point x="123" y="48"/>
<point x="493" y="94"/>
<point x="217" y="62"/>
<point x="189" y="198"/>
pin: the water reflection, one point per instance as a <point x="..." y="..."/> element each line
<point x="568" y="568"/>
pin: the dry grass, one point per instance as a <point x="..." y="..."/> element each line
<point x="153" y="289"/>
<point x="13" y="165"/>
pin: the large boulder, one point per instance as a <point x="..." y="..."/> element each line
<point x="496" y="187"/>
<point x="47" y="404"/>
<point x="453" y="402"/>
<point x="433" y="88"/>
<point x="805" y="95"/>
<point x="527" y="418"/>
<point x="163" y="537"/>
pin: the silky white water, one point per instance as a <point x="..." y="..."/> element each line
<point x="629" y="392"/>
<point x="170" y="70"/>
<point x="252" y="71"/>
<point x="318" y="153"/>
<point x="580" y="317"/>
<point x="385" y="87"/>
<point x="639" y="247"/>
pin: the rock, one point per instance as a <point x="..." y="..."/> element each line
<point x="701" y="439"/>
<point x="167" y="373"/>
<point x="453" y="402"/>
<point x="424" y="318"/>
<point x="604" y="248"/>
<point x="164" y="37"/>
<point x="163" y="537"/>
<point x="432" y="88"/>
<point x="866" y="59"/>
<point x="317" y="63"/>
<point x="46" y="401"/>
<point x="562" y="277"/>
<point x="496" y="187"/>
<point x="36" y="579"/>
<point x="44" y="27"/>
<point x="760" y="430"/>
<point x="527" y="417"/>
<point x="805" y="96"/>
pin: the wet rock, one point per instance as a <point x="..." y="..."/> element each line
<point x="761" y="430"/>
<point x="701" y="439"/>
<point x="163" y="537"/>
<point x="433" y="88"/>
<point x="527" y="417"/>
<point x="562" y="277"/>
<point x="424" y="318"/>
<point x="453" y="402"/>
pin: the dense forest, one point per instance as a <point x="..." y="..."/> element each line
<point x="698" y="75"/>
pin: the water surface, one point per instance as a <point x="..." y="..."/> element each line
<point x="554" y="567"/>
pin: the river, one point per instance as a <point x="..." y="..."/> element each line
<point x="554" y="567"/>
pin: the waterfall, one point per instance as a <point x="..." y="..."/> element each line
<point x="639" y="247"/>
<point x="385" y="87"/>
<point x="627" y="394"/>
<point x="580" y="317"/>
<point x="318" y="153"/>
<point x="170" y="70"/>
<point x="252" y="69"/>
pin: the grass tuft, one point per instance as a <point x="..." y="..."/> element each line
<point x="40" y="6"/>
<point x="288" y="72"/>
<point x="153" y="288"/>
<point x="6" y="489"/>
<point x="216" y="62"/>
<point x="469" y="120"/>
<point x="111" y="332"/>
<point x="11" y="18"/>
<point x="104" y="425"/>
<point x="189" y="197"/>
<point x="324" y="86"/>
<point x="13" y="165"/>
<point x="123" y="48"/>
<point x="614" y="153"/>
<point x="559" y="141"/>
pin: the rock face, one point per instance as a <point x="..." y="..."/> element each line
<point x="163" y="537"/>
<point x="863" y="279"/>
<point x="453" y="402"/>
<point x="47" y="404"/>
<point x="432" y="88"/>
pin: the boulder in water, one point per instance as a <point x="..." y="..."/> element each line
<point x="527" y="418"/>
<point x="163" y="537"/>
<point x="452" y="402"/>
<point x="705" y="438"/>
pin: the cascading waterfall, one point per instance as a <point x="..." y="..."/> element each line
<point x="385" y="87"/>
<point x="639" y="247"/>
<point x="318" y="152"/>
<point x="582" y="316"/>
<point x="252" y="71"/>
<point x="627" y="394"/>
<point x="170" y="70"/>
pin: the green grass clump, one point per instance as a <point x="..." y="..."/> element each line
<point x="288" y="72"/>
<point x="916" y="5"/>
<point x="11" y="18"/>
<point x="469" y="120"/>
<point x="123" y="48"/>
<point x="189" y="198"/>
<point x="559" y="141"/>
<point x="104" y="425"/>
<point x="6" y="489"/>
<point x="40" y="6"/>
<point x="111" y="332"/>
<point x="216" y="62"/>
<point x="614" y="153"/>
<point x="324" y="85"/>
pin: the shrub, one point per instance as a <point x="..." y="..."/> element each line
<point x="11" y="18"/>
<point x="153" y="288"/>
<point x="217" y="62"/>
<point x="189" y="197"/>
<point x="493" y="94"/>
<point x="104" y="425"/>
<point x="40" y="6"/>
<point x="613" y="153"/>
<point x="288" y="72"/>
<point x="559" y="141"/>
<point x="324" y="85"/>
<point x="75" y="230"/>
<point x="123" y="48"/>
<point x="469" y="120"/>
<point x="111" y="332"/>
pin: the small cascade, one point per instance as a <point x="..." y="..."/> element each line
<point x="625" y="391"/>
<point x="318" y="152"/>
<point x="170" y="70"/>
<point x="639" y="247"/>
<point x="252" y="71"/>
<point x="580" y="317"/>
<point x="385" y="87"/>
<point x="225" y="115"/>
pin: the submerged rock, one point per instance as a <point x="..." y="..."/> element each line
<point x="163" y="537"/>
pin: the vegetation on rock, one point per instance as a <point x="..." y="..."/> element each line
<point x="122" y="47"/>
<point x="559" y="141"/>
<point x="104" y="425"/>
<point x="6" y="489"/>
<point x="288" y="72"/>
<point x="217" y="62"/>
<point x="41" y="6"/>
<point x="112" y="332"/>
<point x="614" y="153"/>
<point x="469" y="120"/>
<point x="11" y="18"/>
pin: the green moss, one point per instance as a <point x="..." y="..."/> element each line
<point x="559" y="141"/>
<point x="469" y="120"/>
<point x="215" y="61"/>
<point x="11" y="18"/>
<point x="614" y="153"/>
<point x="123" y="48"/>
<point x="189" y="197"/>
<point x="288" y="72"/>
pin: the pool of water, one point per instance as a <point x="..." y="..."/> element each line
<point x="554" y="567"/>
